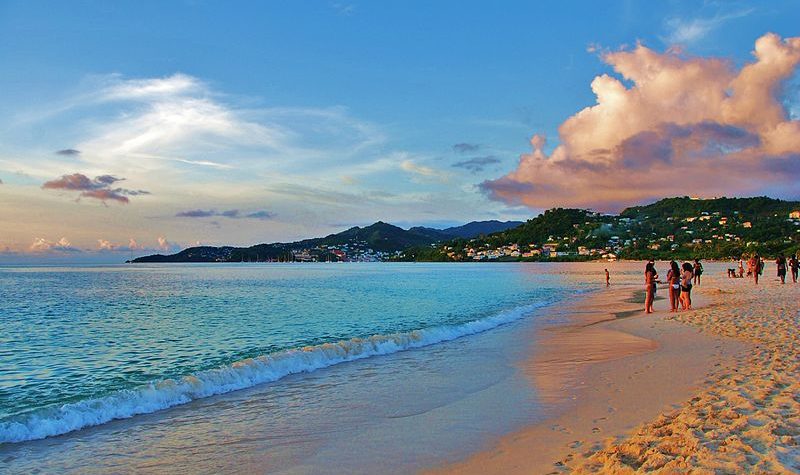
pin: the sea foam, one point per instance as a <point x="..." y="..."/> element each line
<point x="238" y="375"/>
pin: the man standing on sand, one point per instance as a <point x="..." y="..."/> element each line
<point x="794" y="266"/>
<point x="741" y="268"/>
<point x="754" y="266"/>
<point x="608" y="278"/>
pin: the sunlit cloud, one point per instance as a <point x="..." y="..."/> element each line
<point x="683" y="123"/>
<point x="422" y="171"/>
<point x="44" y="245"/>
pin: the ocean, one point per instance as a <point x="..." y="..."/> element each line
<point x="274" y="366"/>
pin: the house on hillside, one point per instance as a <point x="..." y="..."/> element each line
<point x="794" y="214"/>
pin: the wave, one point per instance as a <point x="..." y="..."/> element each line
<point x="242" y="374"/>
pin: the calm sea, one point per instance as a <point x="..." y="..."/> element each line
<point x="81" y="347"/>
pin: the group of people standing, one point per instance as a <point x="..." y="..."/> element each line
<point x="793" y="264"/>
<point x="680" y="278"/>
<point x="755" y="267"/>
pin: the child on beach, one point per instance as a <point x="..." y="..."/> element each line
<point x="608" y="278"/>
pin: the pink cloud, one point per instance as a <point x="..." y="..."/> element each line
<point x="43" y="245"/>
<point x="686" y="126"/>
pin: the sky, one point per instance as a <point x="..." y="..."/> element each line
<point x="128" y="128"/>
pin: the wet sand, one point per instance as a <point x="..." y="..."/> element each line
<point x="712" y="390"/>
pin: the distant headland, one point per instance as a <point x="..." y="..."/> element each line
<point x="680" y="227"/>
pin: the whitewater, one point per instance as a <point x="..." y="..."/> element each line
<point x="85" y="345"/>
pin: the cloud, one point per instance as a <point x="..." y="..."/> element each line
<point x="196" y="213"/>
<point x="345" y="9"/>
<point x="105" y="245"/>
<point x="260" y="215"/>
<point x="164" y="245"/>
<point x="684" y="31"/>
<point x="43" y="245"/>
<point x="179" y="119"/>
<point x="685" y="126"/>
<point x="422" y="171"/>
<point x="232" y="214"/>
<point x="466" y="147"/>
<point x="477" y="164"/>
<point x="98" y="188"/>
<point x="68" y="152"/>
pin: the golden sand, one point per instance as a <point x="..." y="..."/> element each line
<point x="719" y="385"/>
<point x="747" y="417"/>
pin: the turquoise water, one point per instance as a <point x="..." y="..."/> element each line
<point x="82" y="346"/>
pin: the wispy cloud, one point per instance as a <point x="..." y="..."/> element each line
<point x="232" y="214"/>
<point x="68" y="152"/>
<point x="683" y="31"/>
<point x="422" y="171"/>
<point x="477" y="164"/>
<point x="466" y="147"/>
<point x="345" y="9"/>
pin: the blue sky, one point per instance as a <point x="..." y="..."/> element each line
<point x="312" y="115"/>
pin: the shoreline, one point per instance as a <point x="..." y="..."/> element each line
<point x="617" y="368"/>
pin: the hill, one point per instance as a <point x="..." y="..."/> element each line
<point x="679" y="228"/>
<point x="375" y="242"/>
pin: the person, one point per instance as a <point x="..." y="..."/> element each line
<point x="650" y="277"/>
<point x="674" y="282"/>
<point x="780" y="262"/>
<point x="741" y="268"/>
<point x="794" y="266"/>
<point x="608" y="278"/>
<point x="697" y="270"/>
<point x="754" y="267"/>
<point x="686" y="286"/>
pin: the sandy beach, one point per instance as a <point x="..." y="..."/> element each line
<point x="712" y="390"/>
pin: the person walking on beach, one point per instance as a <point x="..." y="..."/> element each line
<point x="754" y="267"/>
<point x="697" y="270"/>
<point x="686" y="286"/>
<point x="794" y="266"/>
<point x="674" y="282"/>
<point x="741" y="268"/>
<point x="650" y="277"/>
<point x="608" y="278"/>
<point x="780" y="262"/>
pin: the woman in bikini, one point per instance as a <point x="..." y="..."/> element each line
<point x="674" y="281"/>
<point x="686" y="286"/>
<point x="650" y="277"/>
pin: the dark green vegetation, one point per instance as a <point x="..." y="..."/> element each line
<point x="679" y="228"/>
<point x="377" y="241"/>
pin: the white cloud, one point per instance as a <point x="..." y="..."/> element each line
<point x="683" y="31"/>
